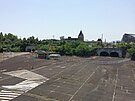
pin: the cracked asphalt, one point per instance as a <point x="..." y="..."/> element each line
<point x="74" y="78"/>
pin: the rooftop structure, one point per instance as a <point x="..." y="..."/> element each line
<point x="128" y="38"/>
<point x="80" y="37"/>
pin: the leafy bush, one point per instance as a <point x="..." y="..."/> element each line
<point x="15" y="49"/>
<point x="84" y="50"/>
<point x="131" y="50"/>
<point x="1" y="48"/>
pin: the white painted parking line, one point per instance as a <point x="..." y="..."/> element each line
<point x="6" y="91"/>
<point x="63" y="67"/>
<point x="6" y="98"/>
<point x="12" y="91"/>
<point x="6" y="95"/>
<point x="3" y="70"/>
<point x="114" y="92"/>
<point x="25" y="74"/>
<point x="24" y="85"/>
<point x="38" y="68"/>
<point x="32" y="80"/>
<point x="83" y="84"/>
<point x="11" y="96"/>
<point x="3" y="93"/>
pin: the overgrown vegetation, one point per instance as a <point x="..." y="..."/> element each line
<point x="10" y="42"/>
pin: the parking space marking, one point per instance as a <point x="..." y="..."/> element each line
<point x="31" y="81"/>
<point x="83" y="83"/>
<point x="7" y="95"/>
<point x="114" y="93"/>
<point x="63" y="67"/>
<point x="36" y="69"/>
<point x="6" y="98"/>
<point x="39" y="68"/>
<point x="63" y="70"/>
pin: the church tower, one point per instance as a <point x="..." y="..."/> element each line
<point x="81" y="36"/>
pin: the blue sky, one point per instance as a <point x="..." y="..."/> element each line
<point x="45" y="18"/>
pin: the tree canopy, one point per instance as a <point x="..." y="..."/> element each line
<point x="10" y="42"/>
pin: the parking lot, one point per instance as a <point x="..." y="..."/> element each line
<point x="68" y="79"/>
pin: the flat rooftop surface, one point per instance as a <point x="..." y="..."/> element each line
<point x="67" y="79"/>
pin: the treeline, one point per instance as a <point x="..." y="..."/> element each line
<point x="10" y="42"/>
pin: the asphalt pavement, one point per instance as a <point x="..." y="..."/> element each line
<point x="67" y="79"/>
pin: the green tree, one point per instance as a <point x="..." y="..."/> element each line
<point x="131" y="50"/>
<point x="82" y="50"/>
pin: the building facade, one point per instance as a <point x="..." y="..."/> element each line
<point x="128" y="38"/>
<point x="80" y="37"/>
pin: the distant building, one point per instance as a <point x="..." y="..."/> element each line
<point x="62" y="38"/>
<point x="99" y="41"/>
<point x="80" y="37"/>
<point x="128" y="38"/>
